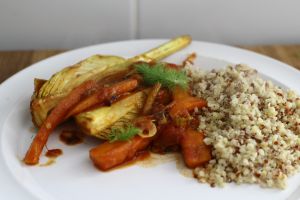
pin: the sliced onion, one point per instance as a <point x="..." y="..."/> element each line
<point x="146" y="125"/>
<point x="148" y="133"/>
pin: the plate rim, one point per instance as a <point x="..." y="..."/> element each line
<point x="15" y="77"/>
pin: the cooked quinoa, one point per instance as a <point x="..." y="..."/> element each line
<point x="252" y="125"/>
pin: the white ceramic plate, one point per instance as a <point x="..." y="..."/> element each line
<point x="73" y="175"/>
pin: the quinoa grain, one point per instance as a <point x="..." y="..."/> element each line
<point x="252" y="125"/>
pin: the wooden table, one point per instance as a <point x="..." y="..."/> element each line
<point x="14" y="61"/>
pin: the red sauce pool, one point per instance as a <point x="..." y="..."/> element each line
<point x="54" y="153"/>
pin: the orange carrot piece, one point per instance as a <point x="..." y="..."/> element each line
<point x="169" y="135"/>
<point x="104" y="94"/>
<point x="183" y="103"/>
<point x="56" y="116"/>
<point x="195" y="152"/>
<point x="109" y="155"/>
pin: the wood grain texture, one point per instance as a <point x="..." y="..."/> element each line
<point x="14" y="61"/>
<point x="289" y="54"/>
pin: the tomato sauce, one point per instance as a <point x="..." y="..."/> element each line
<point x="54" y="153"/>
<point x="71" y="137"/>
<point x="139" y="156"/>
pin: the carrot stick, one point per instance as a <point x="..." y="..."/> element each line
<point x="104" y="94"/>
<point x="56" y="116"/>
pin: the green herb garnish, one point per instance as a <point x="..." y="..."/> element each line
<point x="160" y="73"/>
<point x="123" y="134"/>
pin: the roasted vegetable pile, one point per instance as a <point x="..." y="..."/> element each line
<point x="136" y="104"/>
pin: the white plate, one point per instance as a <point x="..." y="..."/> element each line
<point x="74" y="177"/>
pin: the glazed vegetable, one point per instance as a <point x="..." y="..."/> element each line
<point x="184" y="103"/>
<point x="109" y="155"/>
<point x="56" y="116"/>
<point x="93" y="68"/>
<point x="99" y="122"/>
<point x="146" y="125"/>
<point x="97" y="68"/>
<point x="160" y="73"/>
<point x="163" y="50"/>
<point x="151" y="98"/>
<point x="169" y="136"/>
<point x="195" y="152"/>
<point x="38" y="83"/>
<point x="104" y="94"/>
<point x="190" y="59"/>
<point x="123" y="133"/>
